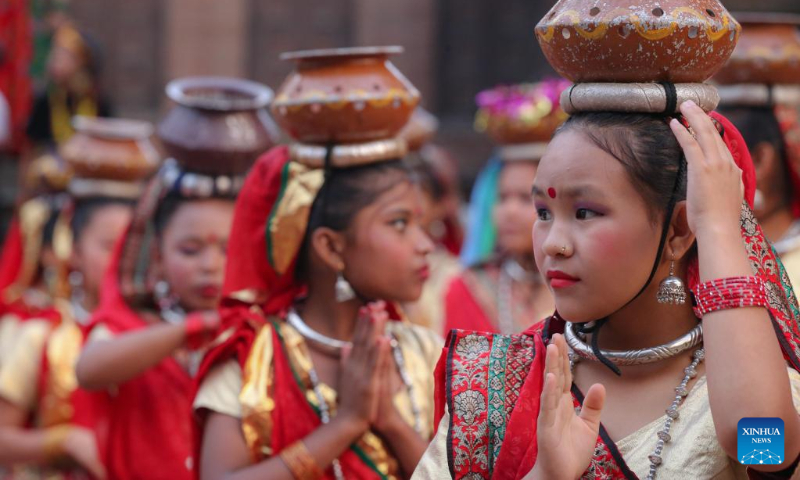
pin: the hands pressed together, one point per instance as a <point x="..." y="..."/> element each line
<point x="368" y="378"/>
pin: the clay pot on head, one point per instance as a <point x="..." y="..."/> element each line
<point x="110" y="149"/>
<point x="218" y="125"/>
<point x="679" y="41"/>
<point x="768" y="51"/>
<point x="346" y="95"/>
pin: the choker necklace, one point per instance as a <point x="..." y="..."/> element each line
<point x="635" y="357"/>
<point x="331" y="346"/>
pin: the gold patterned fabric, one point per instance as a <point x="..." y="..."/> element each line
<point x="9" y="326"/>
<point x="245" y="394"/>
<point x="18" y="376"/>
<point x="289" y="219"/>
<point x="62" y="350"/>
<point x="33" y="216"/>
<point x="46" y="393"/>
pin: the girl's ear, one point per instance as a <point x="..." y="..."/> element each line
<point x="680" y="238"/>
<point x="328" y="245"/>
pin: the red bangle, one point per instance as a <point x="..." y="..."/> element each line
<point x="727" y="293"/>
<point x="199" y="330"/>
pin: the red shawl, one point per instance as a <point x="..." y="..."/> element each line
<point x="249" y="270"/>
<point x="149" y="435"/>
<point x="468" y="351"/>
<point x="463" y="311"/>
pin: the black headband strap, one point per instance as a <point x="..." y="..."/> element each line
<point x="672" y="97"/>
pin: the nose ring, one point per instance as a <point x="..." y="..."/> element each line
<point x="563" y="250"/>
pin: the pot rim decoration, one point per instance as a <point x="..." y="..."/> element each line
<point x="113" y="128"/>
<point x="628" y="42"/>
<point x="768" y="54"/>
<point x="242" y="94"/>
<point x="344" y="95"/>
<point x="324" y="56"/>
<point x="333" y="54"/>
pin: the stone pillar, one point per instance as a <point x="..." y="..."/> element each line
<point x="206" y="37"/>
<point x="409" y="23"/>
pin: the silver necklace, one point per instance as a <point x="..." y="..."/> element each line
<point x="505" y="298"/>
<point x="327" y="344"/>
<point x="681" y="392"/>
<point x="635" y="357"/>
<point x="510" y="271"/>
<point x="324" y="415"/>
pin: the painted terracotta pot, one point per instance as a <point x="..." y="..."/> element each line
<point x="768" y="51"/>
<point x="680" y="41"/>
<point x="218" y="126"/>
<point x="111" y="148"/>
<point x="347" y="95"/>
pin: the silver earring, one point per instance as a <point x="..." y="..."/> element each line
<point x="168" y="305"/>
<point x="78" y="296"/>
<point x="672" y="290"/>
<point x="161" y="291"/>
<point x="758" y="201"/>
<point x="344" y="291"/>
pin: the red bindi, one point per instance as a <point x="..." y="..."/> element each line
<point x="552" y="192"/>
